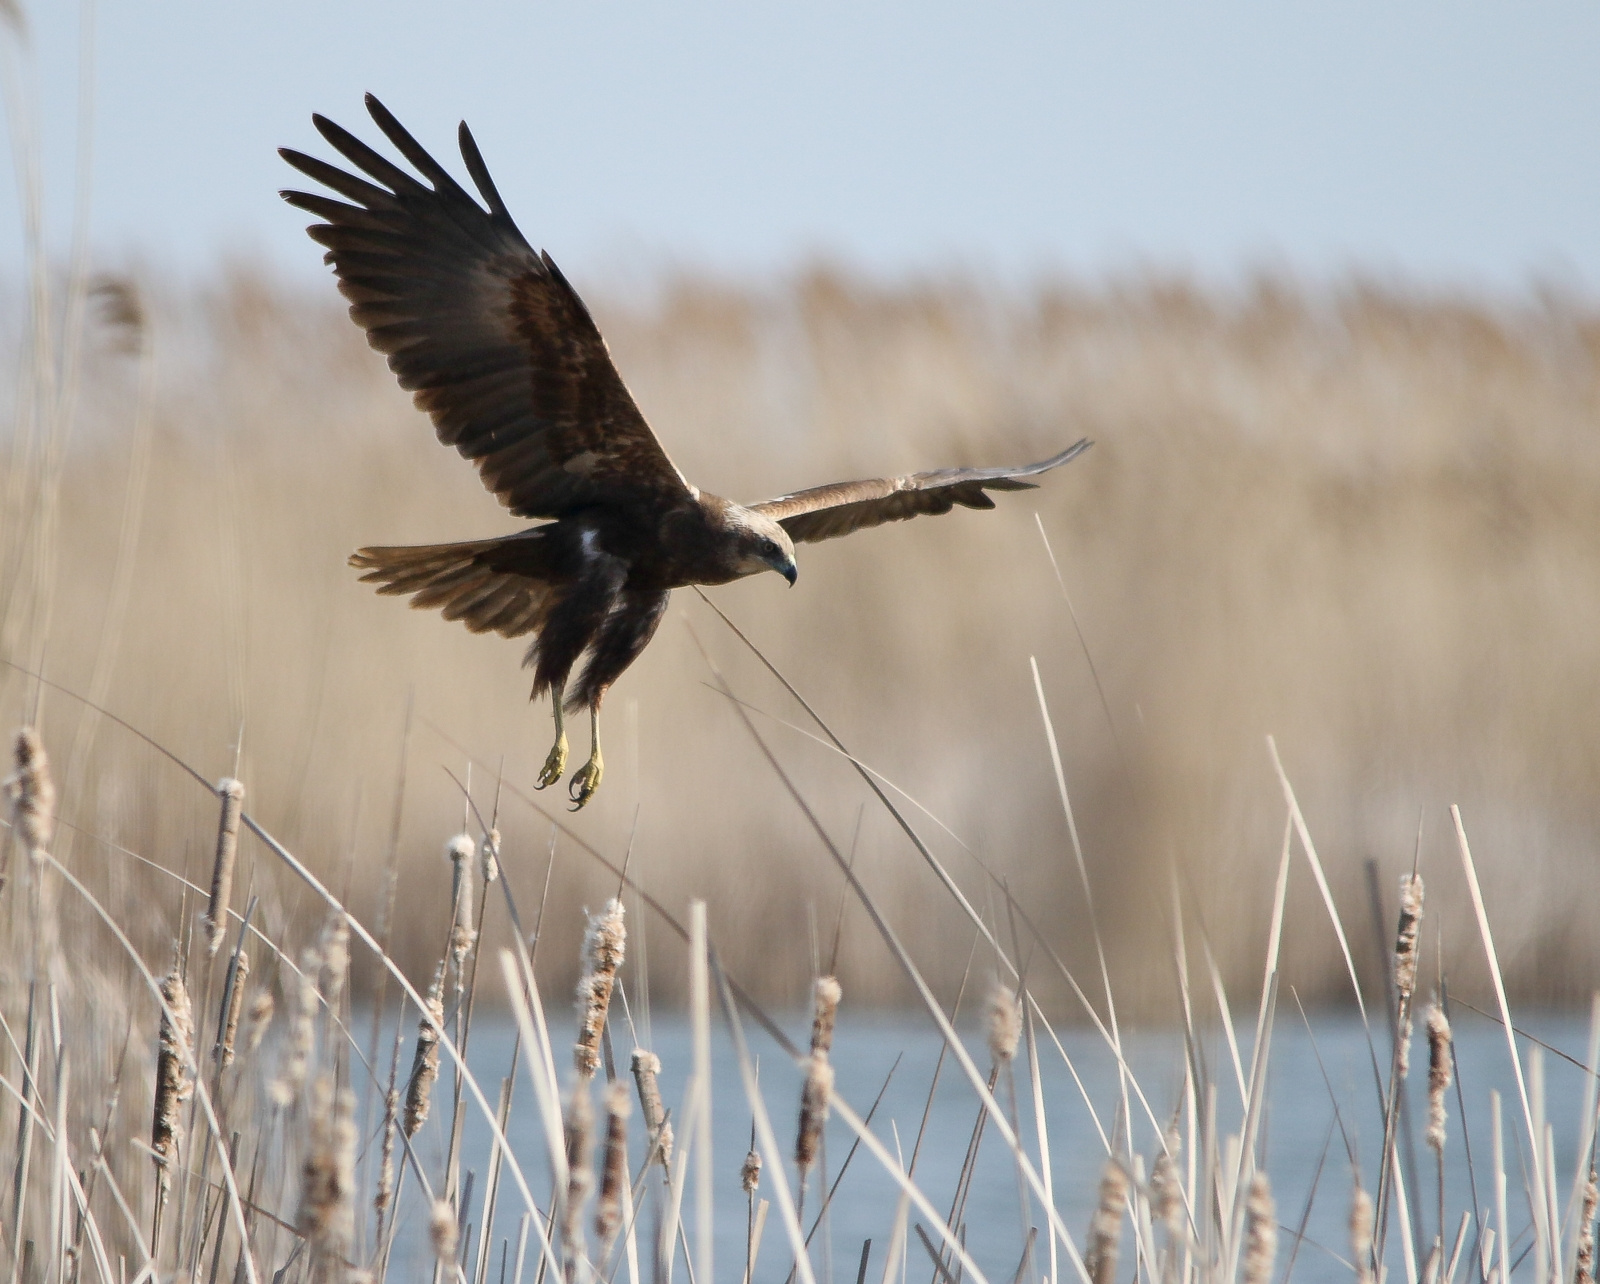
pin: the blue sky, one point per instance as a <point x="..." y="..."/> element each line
<point x="1443" y="143"/>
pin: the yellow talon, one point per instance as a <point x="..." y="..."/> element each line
<point x="555" y="765"/>
<point x="587" y="778"/>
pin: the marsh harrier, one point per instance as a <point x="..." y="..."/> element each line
<point x="495" y="345"/>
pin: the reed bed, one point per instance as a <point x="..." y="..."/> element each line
<point x="140" y="1147"/>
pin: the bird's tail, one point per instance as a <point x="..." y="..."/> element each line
<point x="460" y="580"/>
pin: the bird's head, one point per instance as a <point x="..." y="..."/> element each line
<point x="763" y="545"/>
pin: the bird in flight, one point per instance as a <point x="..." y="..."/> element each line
<point x="494" y="344"/>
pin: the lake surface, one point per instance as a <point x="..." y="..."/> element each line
<point x="1303" y="1138"/>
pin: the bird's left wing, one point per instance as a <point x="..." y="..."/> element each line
<point x="482" y="330"/>
<point x="837" y="509"/>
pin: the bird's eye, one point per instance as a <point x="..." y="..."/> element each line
<point x="768" y="547"/>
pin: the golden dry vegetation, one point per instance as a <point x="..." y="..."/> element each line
<point x="1358" y="519"/>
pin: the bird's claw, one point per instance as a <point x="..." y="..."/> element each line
<point x="555" y="765"/>
<point x="584" y="783"/>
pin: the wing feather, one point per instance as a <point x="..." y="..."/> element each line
<point x="486" y="333"/>
<point x="824" y="512"/>
<point x="460" y="581"/>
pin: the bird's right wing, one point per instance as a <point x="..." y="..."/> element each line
<point x="482" y="330"/>
<point x="468" y="582"/>
<point x="842" y="507"/>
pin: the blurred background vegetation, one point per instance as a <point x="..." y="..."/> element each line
<point x="1359" y="519"/>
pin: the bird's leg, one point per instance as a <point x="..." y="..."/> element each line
<point x="556" y="764"/>
<point x="587" y="778"/>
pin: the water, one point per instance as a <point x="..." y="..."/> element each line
<point x="1306" y="1143"/>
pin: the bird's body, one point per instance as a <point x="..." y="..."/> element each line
<point x="500" y="351"/>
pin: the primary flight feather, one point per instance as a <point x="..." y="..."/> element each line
<point x="491" y="340"/>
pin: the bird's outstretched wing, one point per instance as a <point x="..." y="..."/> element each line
<point x="484" y="331"/>
<point x="826" y="511"/>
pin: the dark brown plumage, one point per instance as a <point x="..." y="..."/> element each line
<point x="491" y="340"/>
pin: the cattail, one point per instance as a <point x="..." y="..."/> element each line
<point x="327" y="1174"/>
<point x="461" y="850"/>
<point x="391" y="1113"/>
<point x="489" y="856"/>
<point x="614" y="1185"/>
<point x="750" y="1173"/>
<point x="603" y="947"/>
<point x="825" y="996"/>
<point x="646" y="1066"/>
<point x="302" y="1033"/>
<point x="230" y="1020"/>
<point x="1439" y="1075"/>
<point x="174" y="1083"/>
<point x="1583" y="1270"/>
<point x="1166" y="1188"/>
<point x="1005" y="1023"/>
<point x="813" y="1111"/>
<point x="1361" y="1235"/>
<point x="1260" y="1231"/>
<point x="32" y="794"/>
<point x="334" y="946"/>
<point x="261" y="1010"/>
<point x="1105" y="1227"/>
<point x="121" y="312"/>
<point x="232" y="794"/>
<point x="425" y="1064"/>
<point x="442" y="1231"/>
<point x="1405" y="961"/>
<point x="580" y="1164"/>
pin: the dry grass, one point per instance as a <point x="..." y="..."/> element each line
<point x="1361" y="520"/>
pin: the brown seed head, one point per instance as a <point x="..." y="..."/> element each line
<point x="1005" y="1023"/>
<point x="489" y="856"/>
<point x="579" y="1126"/>
<point x="825" y="996"/>
<point x="327" y="1173"/>
<point x="174" y="1079"/>
<point x="261" y="1009"/>
<point x="1405" y="941"/>
<point x="1583" y="1271"/>
<point x="646" y="1066"/>
<point x="1260" y="1232"/>
<point x="1361" y="1235"/>
<point x="1105" y="1227"/>
<point x="442" y="1231"/>
<point x="750" y="1174"/>
<point x="32" y="793"/>
<point x="813" y="1111"/>
<point x="425" y="1063"/>
<point x="604" y="945"/>
<point x="614" y="1170"/>
<point x="1439" y="1075"/>
<point x="231" y="792"/>
<point x="230" y="1022"/>
<point x="1166" y="1189"/>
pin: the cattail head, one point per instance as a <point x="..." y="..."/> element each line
<point x="813" y="1112"/>
<point x="489" y="856"/>
<point x="1439" y="1075"/>
<point x="391" y="1116"/>
<point x="230" y="1019"/>
<point x="750" y="1173"/>
<point x="614" y="1171"/>
<point x="579" y="1127"/>
<point x="1105" y="1227"/>
<point x="327" y="1175"/>
<point x="1166" y="1187"/>
<point x="1260" y="1232"/>
<point x="174" y="1079"/>
<point x="442" y="1231"/>
<point x="1405" y="941"/>
<point x="261" y="1009"/>
<point x="121" y="312"/>
<point x="1361" y="1235"/>
<point x="646" y="1066"/>
<point x="604" y="945"/>
<point x="463" y="937"/>
<point x="32" y="793"/>
<point x="302" y="1032"/>
<point x="1005" y="1023"/>
<point x="1583" y="1270"/>
<point x="425" y="1064"/>
<point x="825" y="996"/>
<point x="231" y="792"/>
<point x="334" y="947"/>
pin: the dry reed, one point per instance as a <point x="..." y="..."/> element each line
<point x="327" y="1175"/>
<point x="578" y="1127"/>
<point x="604" y="945"/>
<point x="174" y="1078"/>
<point x="230" y="1020"/>
<point x="1439" y="1076"/>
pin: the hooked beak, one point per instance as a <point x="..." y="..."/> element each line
<point x="790" y="572"/>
